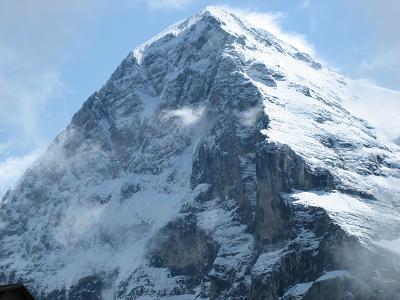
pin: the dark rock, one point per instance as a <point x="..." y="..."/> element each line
<point x="87" y="288"/>
<point x="184" y="248"/>
<point x="128" y="189"/>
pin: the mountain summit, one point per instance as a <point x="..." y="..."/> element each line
<point x="217" y="162"/>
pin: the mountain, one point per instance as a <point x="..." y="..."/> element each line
<point x="217" y="162"/>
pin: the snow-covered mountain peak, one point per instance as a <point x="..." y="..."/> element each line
<point x="230" y="23"/>
<point x="216" y="162"/>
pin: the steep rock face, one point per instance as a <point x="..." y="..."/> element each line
<point x="216" y="162"/>
<point x="184" y="248"/>
<point x="279" y="170"/>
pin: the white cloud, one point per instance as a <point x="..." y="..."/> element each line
<point x="35" y="41"/>
<point x="23" y="94"/>
<point x="188" y="116"/>
<point x="251" y="116"/>
<point x="272" y="22"/>
<point x="13" y="167"/>
<point x="20" y="106"/>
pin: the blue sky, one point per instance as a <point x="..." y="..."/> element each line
<point x="54" y="54"/>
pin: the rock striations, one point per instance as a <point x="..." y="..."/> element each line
<point x="217" y="162"/>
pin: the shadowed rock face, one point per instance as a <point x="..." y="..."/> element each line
<point x="279" y="170"/>
<point x="184" y="248"/>
<point x="179" y="178"/>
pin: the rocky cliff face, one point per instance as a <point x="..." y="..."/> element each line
<point x="217" y="162"/>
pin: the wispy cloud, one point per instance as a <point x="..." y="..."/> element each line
<point x="34" y="36"/>
<point x="272" y="22"/>
<point x="187" y="115"/>
<point x="13" y="167"/>
<point x="77" y="221"/>
<point x="251" y="116"/>
<point x="22" y="97"/>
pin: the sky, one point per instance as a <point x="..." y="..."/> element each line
<point x="55" y="54"/>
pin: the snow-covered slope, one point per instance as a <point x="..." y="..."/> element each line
<point x="216" y="162"/>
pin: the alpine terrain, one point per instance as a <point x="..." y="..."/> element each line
<point x="217" y="162"/>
